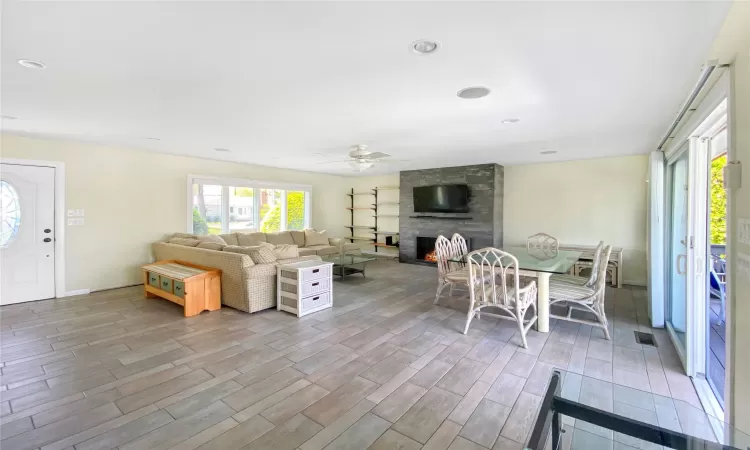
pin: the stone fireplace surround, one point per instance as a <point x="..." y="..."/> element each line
<point x="482" y="225"/>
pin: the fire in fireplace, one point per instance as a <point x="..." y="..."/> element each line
<point x="426" y="249"/>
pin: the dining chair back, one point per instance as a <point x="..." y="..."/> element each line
<point x="494" y="281"/>
<point x="460" y="247"/>
<point x="542" y="242"/>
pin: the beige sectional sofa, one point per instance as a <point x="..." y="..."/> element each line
<point x="245" y="285"/>
<point x="334" y="245"/>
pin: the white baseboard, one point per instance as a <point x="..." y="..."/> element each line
<point x="78" y="292"/>
<point x="634" y="283"/>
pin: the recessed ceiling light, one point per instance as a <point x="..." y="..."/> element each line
<point x="31" y="64"/>
<point x="474" y="92"/>
<point x="9" y="117"/>
<point x="548" y="152"/>
<point x="219" y="149"/>
<point x="510" y="121"/>
<point x="425" y="47"/>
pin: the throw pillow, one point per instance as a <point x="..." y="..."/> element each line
<point x="212" y="238"/>
<point x="286" y="251"/>
<point x="184" y="241"/>
<point x="211" y="245"/>
<point x="262" y="255"/>
<point x="313" y="237"/>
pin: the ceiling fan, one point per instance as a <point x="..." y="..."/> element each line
<point x="360" y="158"/>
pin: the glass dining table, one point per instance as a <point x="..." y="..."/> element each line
<point x="539" y="264"/>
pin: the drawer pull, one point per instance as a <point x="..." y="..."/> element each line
<point x="316" y="298"/>
<point x="316" y="283"/>
<point x="316" y="270"/>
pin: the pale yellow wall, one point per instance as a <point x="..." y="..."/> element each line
<point x="581" y="202"/>
<point x="733" y="43"/>
<point x="132" y="197"/>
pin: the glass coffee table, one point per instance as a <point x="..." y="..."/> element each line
<point x="344" y="265"/>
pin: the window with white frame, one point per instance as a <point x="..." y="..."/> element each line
<point x="224" y="205"/>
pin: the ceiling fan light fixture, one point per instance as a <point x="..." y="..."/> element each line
<point x="361" y="166"/>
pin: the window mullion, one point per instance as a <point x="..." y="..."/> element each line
<point x="283" y="224"/>
<point x="225" y="209"/>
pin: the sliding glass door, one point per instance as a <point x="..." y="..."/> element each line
<point x="685" y="250"/>
<point x="678" y="250"/>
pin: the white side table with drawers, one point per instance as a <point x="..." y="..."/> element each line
<point x="304" y="287"/>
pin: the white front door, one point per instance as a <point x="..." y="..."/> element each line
<point x="27" y="233"/>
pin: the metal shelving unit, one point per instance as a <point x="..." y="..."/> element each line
<point x="371" y="229"/>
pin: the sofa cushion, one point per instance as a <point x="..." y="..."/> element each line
<point x="305" y="251"/>
<point x="211" y="245"/>
<point x="286" y="251"/>
<point x="230" y="239"/>
<point x="299" y="237"/>
<point x="262" y="255"/>
<point x="184" y="235"/>
<point x="212" y="238"/>
<point x="250" y="239"/>
<point x="280" y="238"/>
<point x="321" y="250"/>
<point x="313" y="237"/>
<point x="184" y="241"/>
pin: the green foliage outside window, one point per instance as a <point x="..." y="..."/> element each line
<point x="200" y="226"/>
<point x="295" y="214"/>
<point x="718" y="225"/>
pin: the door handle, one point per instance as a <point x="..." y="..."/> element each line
<point x="47" y="240"/>
<point x="684" y="258"/>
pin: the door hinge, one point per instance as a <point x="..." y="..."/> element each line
<point x="692" y="242"/>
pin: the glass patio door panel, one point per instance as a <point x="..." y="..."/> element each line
<point x="677" y="300"/>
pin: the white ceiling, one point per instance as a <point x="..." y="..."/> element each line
<point x="277" y="82"/>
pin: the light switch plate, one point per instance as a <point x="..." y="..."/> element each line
<point x="743" y="226"/>
<point x="75" y="222"/>
<point x="743" y="265"/>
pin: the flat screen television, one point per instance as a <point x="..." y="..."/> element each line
<point x="446" y="198"/>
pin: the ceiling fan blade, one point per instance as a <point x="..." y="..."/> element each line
<point x="331" y="162"/>
<point x="377" y="155"/>
<point x="343" y="157"/>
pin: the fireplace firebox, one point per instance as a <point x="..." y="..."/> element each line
<point x="426" y="249"/>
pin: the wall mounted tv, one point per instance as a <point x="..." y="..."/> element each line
<point x="446" y="198"/>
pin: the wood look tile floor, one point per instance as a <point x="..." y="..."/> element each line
<point x="382" y="369"/>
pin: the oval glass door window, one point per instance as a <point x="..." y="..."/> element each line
<point x="10" y="214"/>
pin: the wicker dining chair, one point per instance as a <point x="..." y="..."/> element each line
<point x="461" y="249"/>
<point x="542" y="242"/>
<point x="448" y="273"/>
<point x="583" y="298"/>
<point x="583" y="281"/>
<point x="490" y="271"/>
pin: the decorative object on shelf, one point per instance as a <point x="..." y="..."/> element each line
<point x="195" y="288"/>
<point x="304" y="287"/>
